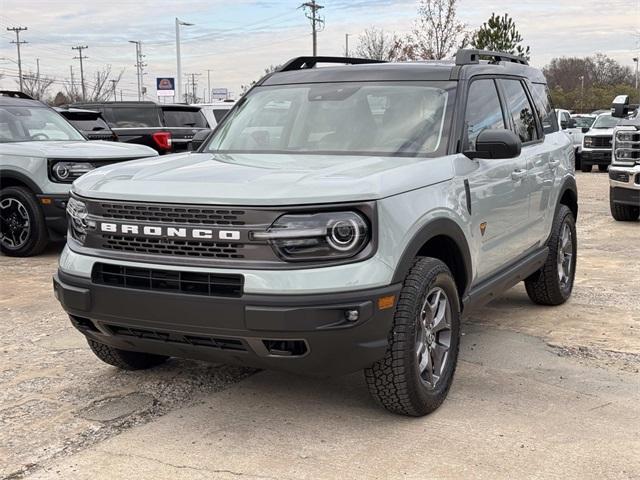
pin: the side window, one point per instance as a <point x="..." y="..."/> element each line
<point x="483" y="110"/>
<point x="545" y="109"/>
<point x="520" y="109"/>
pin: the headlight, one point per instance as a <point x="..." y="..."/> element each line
<point x="67" y="172"/>
<point x="588" y="141"/>
<point x="79" y="222"/>
<point x="317" y="236"/>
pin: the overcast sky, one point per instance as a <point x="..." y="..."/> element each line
<point x="237" y="39"/>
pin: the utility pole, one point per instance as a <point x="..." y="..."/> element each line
<point x="139" y="67"/>
<point x="194" y="88"/>
<point x="178" y="59"/>
<point x="79" y="48"/>
<point x="317" y="23"/>
<point x="113" y="87"/>
<point x="209" y="85"/>
<point x="635" y="59"/>
<point x="18" y="42"/>
<point x="346" y="44"/>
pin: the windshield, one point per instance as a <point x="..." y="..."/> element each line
<point x="386" y="119"/>
<point x="605" y="121"/>
<point x="184" y="118"/>
<point x="26" y="124"/>
<point x="582" y="122"/>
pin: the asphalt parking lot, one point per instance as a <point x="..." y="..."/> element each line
<point x="539" y="392"/>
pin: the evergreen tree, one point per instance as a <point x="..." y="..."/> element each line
<point x="499" y="34"/>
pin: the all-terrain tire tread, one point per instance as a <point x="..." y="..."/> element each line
<point x="123" y="359"/>
<point x="388" y="379"/>
<point x="624" y="213"/>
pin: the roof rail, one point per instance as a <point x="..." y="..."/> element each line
<point x="300" y="63"/>
<point x="470" y="57"/>
<point x="15" y="94"/>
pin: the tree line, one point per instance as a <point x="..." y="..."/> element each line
<point x="578" y="84"/>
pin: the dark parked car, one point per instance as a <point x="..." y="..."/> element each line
<point x="89" y="122"/>
<point x="165" y="127"/>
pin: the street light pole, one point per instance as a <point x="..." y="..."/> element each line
<point x="346" y="44"/>
<point x="178" y="59"/>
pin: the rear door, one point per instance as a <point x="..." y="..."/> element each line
<point x="499" y="197"/>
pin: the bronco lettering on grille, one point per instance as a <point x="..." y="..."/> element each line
<point x="169" y="232"/>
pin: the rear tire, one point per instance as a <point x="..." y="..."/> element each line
<point x="23" y="232"/>
<point x="585" y="167"/>
<point x="124" y="359"/>
<point x="603" y="168"/>
<point x="578" y="161"/>
<point x="553" y="283"/>
<point x="417" y="370"/>
<point x="624" y="213"/>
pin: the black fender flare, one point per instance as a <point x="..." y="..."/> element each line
<point x="568" y="184"/>
<point x="438" y="227"/>
<point x="19" y="177"/>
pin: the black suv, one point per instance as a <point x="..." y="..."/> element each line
<point x="165" y="127"/>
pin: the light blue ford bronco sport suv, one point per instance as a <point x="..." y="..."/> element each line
<point x="340" y="218"/>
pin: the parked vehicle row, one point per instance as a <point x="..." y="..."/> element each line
<point x="597" y="143"/>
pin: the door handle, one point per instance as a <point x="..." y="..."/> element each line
<point x="553" y="164"/>
<point x="518" y="175"/>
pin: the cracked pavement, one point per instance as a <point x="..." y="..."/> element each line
<point x="539" y="393"/>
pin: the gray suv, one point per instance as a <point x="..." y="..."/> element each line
<point x="339" y="219"/>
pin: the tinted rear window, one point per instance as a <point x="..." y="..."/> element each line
<point x="219" y="114"/>
<point x="184" y="118"/>
<point x="89" y="124"/>
<point x="132" y="117"/>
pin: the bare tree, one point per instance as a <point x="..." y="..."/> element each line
<point x="437" y="31"/>
<point x="36" y="85"/>
<point x="100" y="90"/>
<point x="270" y="69"/>
<point x="377" y="44"/>
<point x="571" y="73"/>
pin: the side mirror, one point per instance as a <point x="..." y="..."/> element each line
<point x="585" y="129"/>
<point x="571" y="123"/>
<point x="620" y="106"/>
<point x="496" y="144"/>
<point x="199" y="138"/>
<point x="563" y="125"/>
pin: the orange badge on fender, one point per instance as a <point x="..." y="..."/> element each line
<point x="483" y="228"/>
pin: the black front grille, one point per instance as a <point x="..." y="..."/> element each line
<point x="602" y="142"/>
<point x="173" y="214"/>
<point x="190" y="283"/>
<point x="638" y="179"/>
<point x="161" y="246"/>
<point x="219" y="343"/>
<point x="618" y="176"/>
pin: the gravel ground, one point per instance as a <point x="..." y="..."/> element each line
<point x="58" y="402"/>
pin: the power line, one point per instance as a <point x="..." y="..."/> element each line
<point x="317" y="23"/>
<point x="18" y="42"/>
<point x="79" y="48"/>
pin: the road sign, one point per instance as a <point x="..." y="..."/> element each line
<point x="166" y="86"/>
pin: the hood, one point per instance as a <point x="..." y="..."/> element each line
<point x="77" y="149"/>
<point x="600" y="132"/>
<point x="258" y="179"/>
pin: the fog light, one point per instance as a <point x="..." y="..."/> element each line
<point x="351" y="315"/>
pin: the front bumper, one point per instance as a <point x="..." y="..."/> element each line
<point x="307" y="334"/>
<point x="624" y="183"/>
<point x="54" y="208"/>
<point x="596" y="157"/>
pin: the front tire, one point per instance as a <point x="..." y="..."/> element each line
<point x="624" y="213"/>
<point x="586" y="167"/>
<point x="417" y="370"/>
<point x="124" y="359"/>
<point x="603" y="168"/>
<point x="23" y="232"/>
<point x="553" y="283"/>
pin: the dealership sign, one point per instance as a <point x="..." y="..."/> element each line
<point x="219" y="94"/>
<point x="166" y="86"/>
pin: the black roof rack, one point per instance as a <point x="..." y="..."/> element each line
<point x="300" y="63"/>
<point x="470" y="57"/>
<point x="15" y="94"/>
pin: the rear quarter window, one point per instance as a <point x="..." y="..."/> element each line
<point x="544" y="108"/>
<point x="184" y="118"/>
